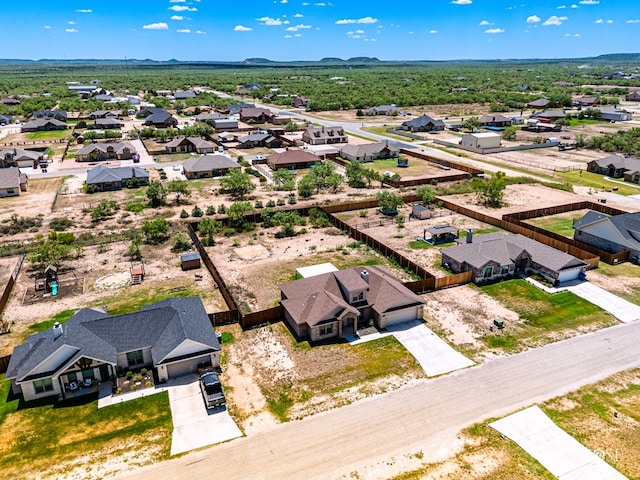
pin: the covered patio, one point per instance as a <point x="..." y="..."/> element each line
<point x="441" y="234"/>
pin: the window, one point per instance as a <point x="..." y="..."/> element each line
<point x="44" y="385"/>
<point x="10" y="190"/>
<point x="135" y="358"/>
<point x="87" y="373"/>
<point x="357" y="298"/>
<point x="504" y="269"/>
<point x="488" y="272"/>
<point x="326" y="329"/>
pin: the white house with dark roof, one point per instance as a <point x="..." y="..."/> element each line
<point x="497" y="255"/>
<point x="174" y="337"/>
<point x="336" y="304"/>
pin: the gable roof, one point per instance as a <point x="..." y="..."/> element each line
<point x="161" y="116"/>
<point x="504" y="249"/>
<point x="494" y="118"/>
<point x="423" y="121"/>
<point x="118" y="147"/>
<point x="18" y="154"/>
<point x="206" y="163"/>
<point x="325" y="132"/>
<point x="292" y="156"/>
<point x="90" y="333"/>
<point x="104" y="174"/>
<point x="42" y="122"/>
<point x="368" y="149"/>
<point x="622" y="229"/>
<point x="195" y="141"/>
<point x="618" y="162"/>
<point x="321" y="297"/>
<point x="539" y="103"/>
<point x="252" y="112"/>
<point x="11" y="177"/>
<point x="185" y="94"/>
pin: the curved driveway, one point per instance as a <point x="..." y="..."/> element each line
<point x="426" y="416"/>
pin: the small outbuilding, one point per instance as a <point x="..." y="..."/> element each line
<point x="481" y="140"/>
<point x="420" y="212"/>
<point x="190" y="261"/>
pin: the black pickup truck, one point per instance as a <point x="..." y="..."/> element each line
<point x="212" y="390"/>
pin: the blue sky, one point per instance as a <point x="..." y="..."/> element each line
<point x="311" y="30"/>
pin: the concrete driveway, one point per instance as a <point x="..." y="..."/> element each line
<point x="620" y="308"/>
<point x="555" y="449"/>
<point x="193" y="425"/>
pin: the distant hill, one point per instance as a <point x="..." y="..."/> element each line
<point x="331" y="60"/>
<point x="247" y="61"/>
<point x="619" y="57"/>
<point x="363" y="60"/>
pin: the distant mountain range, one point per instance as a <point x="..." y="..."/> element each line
<point x="610" y="57"/>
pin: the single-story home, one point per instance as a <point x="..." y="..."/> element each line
<point x="115" y="178"/>
<point x="549" y="115"/>
<point x="16" y="157"/>
<point x="633" y="97"/>
<point x="105" y="151"/>
<point x="382" y="110"/>
<point x="539" y="103"/>
<point x="613" y="234"/>
<point x="300" y="102"/>
<point x="234" y="109"/>
<point x="256" y="115"/>
<point x="208" y="166"/>
<point x="498" y="255"/>
<point x="586" y="101"/>
<point x="292" y="159"/>
<point x="616" y="166"/>
<point x="209" y="117"/>
<point x="106" y="123"/>
<point x="423" y="123"/>
<point x="5" y="119"/>
<point x="160" y="119"/>
<point x="369" y="152"/>
<point x="60" y="115"/>
<point x="12" y="182"/>
<point x="324" y="135"/>
<point x="103" y="114"/>
<point x="10" y="101"/>
<point x="254" y="140"/>
<point x="481" y="140"/>
<point x="495" y="121"/>
<point x="183" y="95"/>
<point x="190" y="144"/>
<point x="43" y="124"/>
<point x="336" y="304"/>
<point x="173" y="337"/>
<point x="147" y="111"/>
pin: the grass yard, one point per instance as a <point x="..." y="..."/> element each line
<point x="45" y="185"/>
<point x="598" y="183"/>
<point x="383" y="131"/>
<point x="47" y="134"/>
<point x="49" y="438"/>
<point x="172" y="157"/>
<point x="544" y="316"/>
<point x="562" y="224"/>
<point x="416" y="167"/>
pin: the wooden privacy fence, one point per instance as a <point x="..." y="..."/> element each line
<point x="8" y="288"/>
<point x="4" y="363"/>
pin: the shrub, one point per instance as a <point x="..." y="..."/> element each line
<point x="148" y="384"/>
<point x="196" y="212"/>
<point x="280" y="202"/>
<point x="135" y="207"/>
<point x="143" y="371"/>
<point x="133" y="387"/>
<point x="258" y="204"/>
<point x="363" y="213"/>
<point x="222" y="209"/>
<point x="184" y="214"/>
<point x="118" y="391"/>
<point x="60" y="224"/>
<point x="211" y="210"/>
<point x="292" y="199"/>
<point x="228" y="232"/>
<point x="180" y="244"/>
<point x="86" y="188"/>
<point x="137" y="377"/>
<point x="270" y="204"/>
<point x="129" y="374"/>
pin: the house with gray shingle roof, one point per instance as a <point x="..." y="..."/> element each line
<point x="383" y="110"/>
<point x="336" y="304"/>
<point x="613" y="234"/>
<point x="105" y="151"/>
<point x="12" y="182"/>
<point x="498" y="255"/>
<point x="423" y="123"/>
<point x="16" y="157"/>
<point x="254" y="140"/>
<point x="369" y="152"/>
<point x="173" y="337"/>
<point x="616" y="166"/>
<point x="115" y="178"/>
<point x="190" y="144"/>
<point x="103" y="114"/>
<point x="43" y="124"/>
<point x="160" y="119"/>
<point x="208" y="166"/>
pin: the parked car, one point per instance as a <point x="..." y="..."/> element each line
<point x="176" y="167"/>
<point x="211" y="389"/>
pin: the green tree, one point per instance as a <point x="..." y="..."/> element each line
<point x="509" y="133"/>
<point x="287" y="220"/>
<point x="355" y="174"/>
<point x="180" y="243"/>
<point x="281" y="177"/>
<point x="207" y="228"/>
<point x="180" y="188"/>
<point x="49" y="252"/>
<point x="471" y="124"/>
<point x="427" y="195"/>
<point x="490" y="193"/>
<point x="389" y="201"/>
<point x="236" y="215"/>
<point x="291" y="127"/>
<point x="237" y="183"/>
<point x="156" y="231"/>
<point x="334" y="182"/>
<point x="104" y="209"/>
<point x="156" y="193"/>
<point x="135" y="238"/>
<point x="306" y="185"/>
<point x="196" y="211"/>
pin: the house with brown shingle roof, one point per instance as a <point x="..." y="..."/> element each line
<point x="369" y="152"/>
<point x="539" y="103"/>
<point x="208" y="166"/>
<point x="336" y="304"/>
<point x="190" y="144"/>
<point x="292" y="159"/>
<point x="256" y="115"/>
<point x="43" y="124"/>
<point x="495" y="120"/>
<point x="12" y="182"/>
<point x="497" y="255"/>
<point x="324" y="135"/>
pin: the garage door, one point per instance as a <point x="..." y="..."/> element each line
<point x="25" y="163"/>
<point x="401" y="316"/>
<point x="184" y="367"/>
<point x="571" y="274"/>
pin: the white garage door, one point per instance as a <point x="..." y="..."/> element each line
<point x="400" y="316"/>
<point x="25" y="163"/>
<point x="567" y="275"/>
<point x="184" y="367"/>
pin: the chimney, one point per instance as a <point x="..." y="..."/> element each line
<point x="365" y="275"/>
<point x="57" y="330"/>
<point x="469" y="236"/>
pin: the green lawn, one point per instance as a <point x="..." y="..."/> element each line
<point x="39" y="437"/>
<point x="561" y="224"/>
<point x="576" y="122"/>
<point x="543" y="315"/>
<point x="598" y="183"/>
<point x="48" y="134"/>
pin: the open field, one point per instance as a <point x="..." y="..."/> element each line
<point x="598" y="184"/>
<point x="416" y="169"/>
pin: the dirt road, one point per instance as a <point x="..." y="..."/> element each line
<point x="426" y="417"/>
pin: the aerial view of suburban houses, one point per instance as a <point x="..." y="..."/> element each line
<point x="330" y="249"/>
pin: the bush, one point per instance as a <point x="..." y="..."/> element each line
<point x="228" y="232"/>
<point x="86" y="188"/>
<point x="184" y="214"/>
<point x="129" y="375"/>
<point x="60" y="224"/>
<point x="196" y="212"/>
<point x="137" y="377"/>
<point x="222" y="209"/>
<point x="258" y="204"/>
<point x="271" y="204"/>
<point x="280" y="202"/>
<point x="211" y="210"/>
<point x="148" y="384"/>
<point x="292" y="199"/>
<point x="134" y="387"/>
<point x="143" y="371"/>
<point x="135" y="207"/>
<point x="180" y="244"/>
<point x="363" y="213"/>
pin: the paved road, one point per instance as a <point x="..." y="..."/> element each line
<point x="423" y="417"/>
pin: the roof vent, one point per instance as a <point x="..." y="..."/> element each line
<point x="57" y="330"/>
<point x="365" y="275"/>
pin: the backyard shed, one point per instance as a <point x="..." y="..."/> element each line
<point x="190" y="261"/>
<point x="420" y="212"/>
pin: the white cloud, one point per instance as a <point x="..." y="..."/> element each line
<point x="433" y="31"/>
<point x="183" y="30"/>
<point x="71" y="30"/>
<point x="156" y="26"/>
<point x="360" y="32"/>
<point x="177" y="1"/>
<point x="589" y="2"/>
<point x="494" y="30"/>
<point x="71" y="22"/>
<point x="632" y="21"/>
<point x="288" y="36"/>
<point x="297" y="34"/>
<point x="574" y="6"/>
<point x="47" y="27"/>
<point x="242" y="28"/>
<point x="484" y="23"/>
<point x="200" y="32"/>
<point x="561" y="7"/>
<point x="84" y="10"/>
<point x="284" y="1"/>
<point x="609" y="21"/>
<point x="575" y="35"/>
<point x="177" y="17"/>
<point x="272" y="22"/>
<point x="298" y="15"/>
<point x="183" y="8"/>
<point x="295" y="28"/>
<point x="554" y="20"/>
<point x="533" y="19"/>
<point x="348" y="21"/>
<point x="462" y="2"/>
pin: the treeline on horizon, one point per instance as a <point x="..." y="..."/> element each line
<point x="505" y="86"/>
